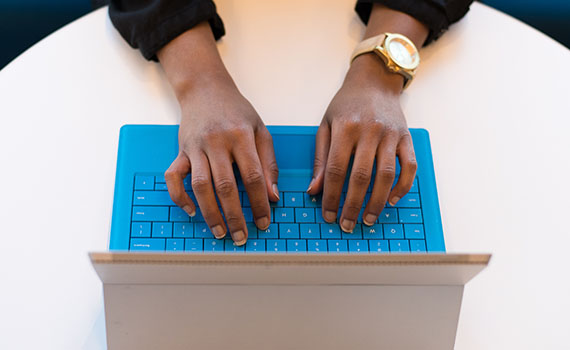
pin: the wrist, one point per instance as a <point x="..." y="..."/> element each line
<point x="370" y="69"/>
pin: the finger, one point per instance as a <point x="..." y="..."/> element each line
<point x="360" y="177"/>
<point x="254" y="181"/>
<point x="204" y="192"/>
<point x="335" y="173"/>
<point x="322" y="144"/>
<point x="385" y="173"/>
<point x="264" y="144"/>
<point x="174" y="177"/>
<point x="226" y="189"/>
<point x="408" y="166"/>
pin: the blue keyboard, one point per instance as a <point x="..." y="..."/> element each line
<point x="157" y="224"/>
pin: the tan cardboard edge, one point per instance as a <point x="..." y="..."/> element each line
<point x="288" y="259"/>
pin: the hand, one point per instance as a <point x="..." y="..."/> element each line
<point x="365" y="119"/>
<point x="219" y="127"/>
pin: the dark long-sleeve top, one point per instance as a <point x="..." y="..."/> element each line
<point x="151" y="24"/>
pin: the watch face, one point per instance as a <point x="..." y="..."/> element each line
<point x="403" y="52"/>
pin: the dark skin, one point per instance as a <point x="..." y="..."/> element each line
<point x="220" y="127"/>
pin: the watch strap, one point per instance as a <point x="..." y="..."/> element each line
<point x="368" y="45"/>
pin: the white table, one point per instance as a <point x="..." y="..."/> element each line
<point x="492" y="92"/>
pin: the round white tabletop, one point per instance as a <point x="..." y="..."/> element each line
<point x="491" y="92"/>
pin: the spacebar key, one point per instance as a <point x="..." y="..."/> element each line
<point x="150" y="213"/>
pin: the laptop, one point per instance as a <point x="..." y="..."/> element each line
<point x="301" y="283"/>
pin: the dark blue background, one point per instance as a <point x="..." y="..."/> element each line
<point x="25" y="22"/>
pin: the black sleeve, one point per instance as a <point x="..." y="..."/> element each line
<point x="437" y="15"/>
<point x="151" y="24"/>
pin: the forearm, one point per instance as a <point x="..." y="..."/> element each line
<point x="192" y="59"/>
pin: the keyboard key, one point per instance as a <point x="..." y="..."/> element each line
<point x="178" y="215"/>
<point x="175" y="244"/>
<point x="160" y="187"/>
<point x="247" y="214"/>
<point x="378" y="246"/>
<point x="230" y="246"/>
<point x="304" y="215"/>
<point x="187" y="183"/>
<point x="353" y="235"/>
<point x="284" y="215"/>
<point x="410" y="200"/>
<point x="159" y="179"/>
<point x="201" y="230"/>
<point x="140" y="229"/>
<point x="255" y="245"/>
<point x="152" y="198"/>
<point x="337" y="246"/>
<point x="143" y="182"/>
<point x="358" y="246"/>
<point x="288" y="231"/>
<point x="330" y="231"/>
<point x="279" y="203"/>
<point x="414" y="188"/>
<point x="214" y="245"/>
<point x="193" y="245"/>
<point x="317" y="246"/>
<point x="271" y="232"/>
<point x="150" y="213"/>
<point x="393" y="231"/>
<point x="310" y="231"/>
<point x="183" y="230"/>
<point x="399" y="245"/>
<point x="417" y="245"/>
<point x="312" y="201"/>
<point x="251" y="230"/>
<point x="161" y="229"/>
<point x="372" y="232"/>
<point x="410" y="216"/>
<point x="296" y="245"/>
<point x="148" y="244"/>
<point x="414" y="231"/>
<point x="293" y="199"/>
<point x="388" y="216"/>
<point x="198" y="217"/>
<point x="319" y="216"/>
<point x="276" y="245"/>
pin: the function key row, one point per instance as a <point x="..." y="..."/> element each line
<point x="278" y="246"/>
<point x="279" y="215"/>
<point x="157" y="182"/>
<point x="281" y="231"/>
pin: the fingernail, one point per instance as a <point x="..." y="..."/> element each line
<point x="394" y="200"/>
<point x="218" y="231"/>
<point x="263" y="223"/>
<point x="329" y="216"/>
<point x="189" y="210"/>
<point x="347" y="225"/>
<point x="275" y="191"/>
<point x="310" y="185"/>
<point x="370" y="219"/>
<point x="239" y="237"/>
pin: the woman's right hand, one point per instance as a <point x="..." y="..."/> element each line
<point x="219" y="127"/>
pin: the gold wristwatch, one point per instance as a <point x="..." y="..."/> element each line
<point x="397" y="51"/>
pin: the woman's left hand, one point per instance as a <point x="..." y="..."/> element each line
<point x="364" y="119"/>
